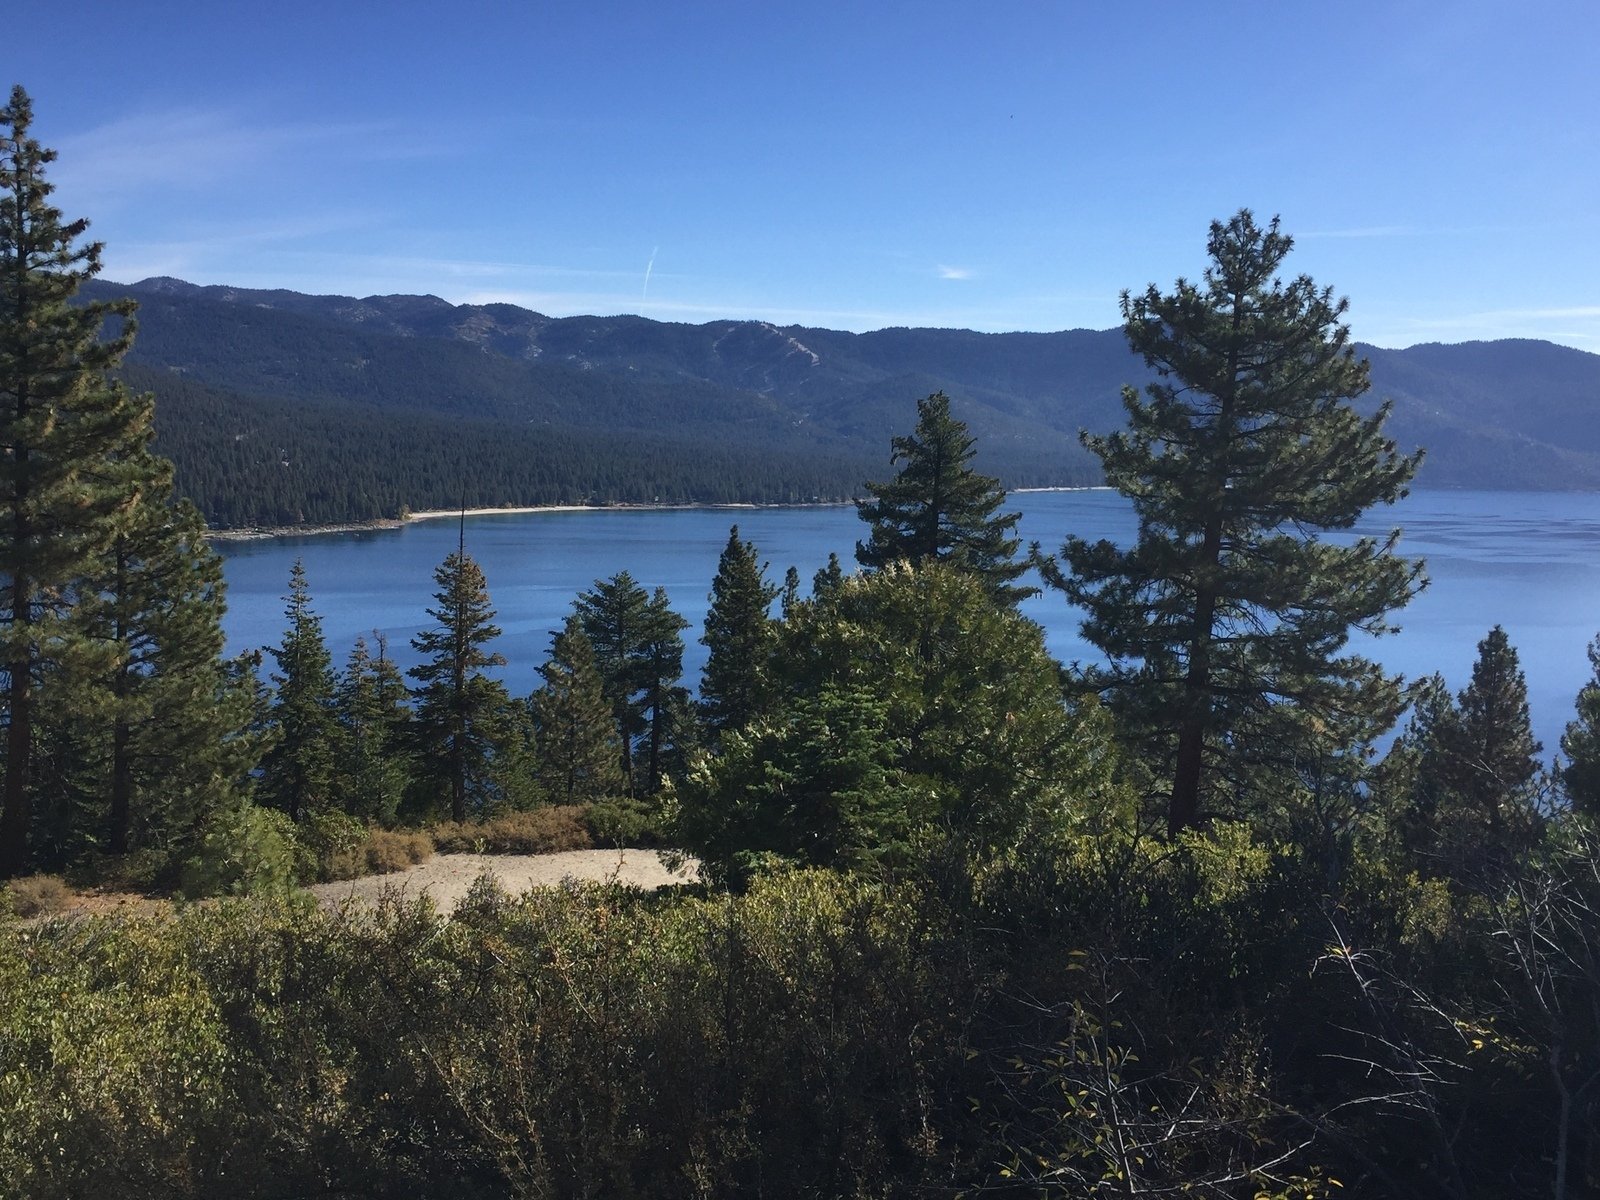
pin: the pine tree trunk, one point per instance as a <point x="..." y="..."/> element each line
<point x="14" y="818"/>
<point x="1183" y="810"/>
<point x="121" y="790"/>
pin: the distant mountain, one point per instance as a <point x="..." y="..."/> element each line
<point x="728" y="409"/>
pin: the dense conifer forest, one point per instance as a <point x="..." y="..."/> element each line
<point x="966" y="921"/>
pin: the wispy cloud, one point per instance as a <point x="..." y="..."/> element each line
<point x="953" y="272"/>
<point x="190" y="148"/>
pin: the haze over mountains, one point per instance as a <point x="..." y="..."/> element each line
<point x="280" y="407"/>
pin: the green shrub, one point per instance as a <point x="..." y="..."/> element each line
<point x="623" y="821"/>
<point x="37" y="895"/>
<point x="320" y="839"/>
<point x="535" y="831"/>
<point x="243" y="849"/>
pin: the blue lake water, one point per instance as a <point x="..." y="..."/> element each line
<point x="1527" y="560"/>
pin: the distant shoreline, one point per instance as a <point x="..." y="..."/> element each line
<point x="267" y="532"/>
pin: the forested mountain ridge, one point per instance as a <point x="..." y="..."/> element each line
<point x="532" y="408"/>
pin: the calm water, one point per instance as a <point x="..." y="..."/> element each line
<point x="1529" y="561"/>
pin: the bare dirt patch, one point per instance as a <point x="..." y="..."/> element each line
<point x="446" y="878"/>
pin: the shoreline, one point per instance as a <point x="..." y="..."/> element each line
<point x="268" y="532"/>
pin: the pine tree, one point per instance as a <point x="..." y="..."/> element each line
<point x="63" y="494"/>
<point x="738" y="638"/>
<point x="827" y="579"/>
<point x="939" y="509"/>
<point x="615" y="615"/>
<point x="1226" y="620"/>
<point x="789" y="597"/>
<point x="1470" y="770"/>
<point x="298" y="770"/>
<point x="670" y="716"/>
<point x="1494" y="757"/>
<point x="461" y="711"/>
<point x="374" y="711"/>
<point x="180" y="739"/>
<point x="576" y="729"/>
<point x="1580" y="744"/>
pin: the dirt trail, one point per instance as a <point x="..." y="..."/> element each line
<point x="445" y="878"/>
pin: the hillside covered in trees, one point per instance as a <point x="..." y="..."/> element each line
<point x="967" y="921"/>
<point x="281" y="408"/>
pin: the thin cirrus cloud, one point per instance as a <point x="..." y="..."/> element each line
<point x="953" y="272"/>
<point x="190" y="148"/>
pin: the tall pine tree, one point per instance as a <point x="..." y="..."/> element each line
<point x="1225" y="622"/>
<point x="298" y="769"/>
<point x="64" y="494"/>
<point x="374" y="712"/>
<point x="939" y="509"/>
<point x="577" y="733"/>
<point x="615" y="615"/>
<point x="738" y="638"/>
<point x="1580" y="744"/>
<point x="461" y="713"/>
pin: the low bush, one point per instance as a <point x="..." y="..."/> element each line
<point x="243" y="849"/>
<point x="536" y="831"/>
<point x="381" y="852"/>
<point x="625" y="822"/>
<point x="37" y="895"/>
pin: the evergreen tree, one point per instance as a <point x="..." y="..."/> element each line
<point x="1468" y="770"/>
<point x="1226" y="620"/>
<point x="738" y="639"/>
<point x="461" y="712"/>
<point x="374" y="711"/>
<point x="790" y="596"/>
<point x="1580" y="744"/>
<point x="298" y="769"/>
<point x="1494" y="757"/>
<point x="670" y="721"/>
<point x="828" y="578"/>
<point x="575" y="726"/>
<point x="63" y="493"/>
<point x="615" y="615"/>
<point x="939" y="509"/>
<point x="180" y="727"/>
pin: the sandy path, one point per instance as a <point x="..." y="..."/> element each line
<point x="446" y="877"/>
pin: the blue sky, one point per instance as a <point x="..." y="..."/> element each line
<point x="997" y="166"/>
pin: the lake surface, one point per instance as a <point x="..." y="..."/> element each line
<point x="1527" y="560"/>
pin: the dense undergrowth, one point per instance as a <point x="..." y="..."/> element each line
<point x="1120" y="1017"/>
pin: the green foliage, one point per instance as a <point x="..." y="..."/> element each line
<point x="739" y="635"/>
<point x="938" y="509"/>
<point x="373" y="709"/>
<point x="911" y="701"/>
<point x="638" y="649"/>
<point x="299" y="767"/>
<point x="242" y="850"/>
<point x="1225" y="623"/>
<point x="1580" y="744"/>
<point x="816" y="785"/>
<point x="67" y="479"/>
<point x="463" y="719"/>
<point x="1465" y="775"/>
<point x="573" y="724"/>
